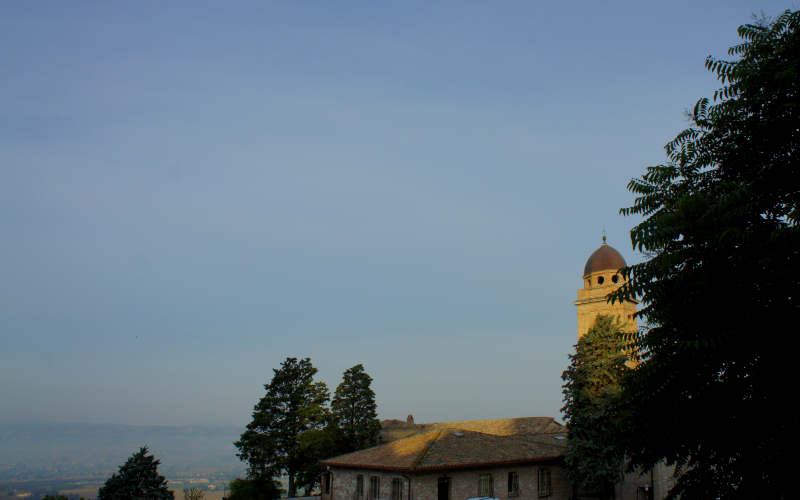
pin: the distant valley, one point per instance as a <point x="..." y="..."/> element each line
<point x="58" y="455"/>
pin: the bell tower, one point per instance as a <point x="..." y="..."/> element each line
<point x="601" y="277"/>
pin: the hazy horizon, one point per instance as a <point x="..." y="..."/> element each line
<point x="190" y="193"/>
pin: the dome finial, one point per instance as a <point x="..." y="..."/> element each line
<point x="604" y="258"/>
<point x="604" y="235"/>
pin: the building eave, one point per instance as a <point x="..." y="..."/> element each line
<point x="445" y="467"/>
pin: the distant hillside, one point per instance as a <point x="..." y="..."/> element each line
<point x="68" y="450"/>
<point x="47" y="450"/>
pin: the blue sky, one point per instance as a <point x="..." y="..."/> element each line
<point x="190" y="192"/>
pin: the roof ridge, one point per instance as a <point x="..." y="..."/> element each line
<point x="457" y="430"/>
<point x="537" y="433"/>
<point x="424" y="451"/>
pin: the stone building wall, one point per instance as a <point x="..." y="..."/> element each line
<point x="592" y="302"/>
<point x="343" y="484"/>
<point x="663" y="479"/>
<point x="463" y="484"/>
<point x="633" y="486"/>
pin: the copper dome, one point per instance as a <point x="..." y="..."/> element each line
<point x="604" y="258"/>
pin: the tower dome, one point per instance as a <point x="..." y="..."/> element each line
<point x="604" y="258"/>
<point x="601" y="277"/>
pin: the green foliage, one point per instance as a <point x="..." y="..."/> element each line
<point x="254" y="489"/>
<point x="354" y="410"/>
<point x="351" y="425"/>
<point x="293" y="405"/>
<point x="720" y="290"/>
<point x="138" y="478"/>
<point x="316" y="445"/>
<point x="592" y="387"/>
<point x="193" y="494"/>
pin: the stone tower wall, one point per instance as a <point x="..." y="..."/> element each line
<point x="592" y="301"/>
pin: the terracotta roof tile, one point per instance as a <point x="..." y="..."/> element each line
<point x="450" y="445"/>
<point x="506" y="426"/>
<point x="400" y="454"/>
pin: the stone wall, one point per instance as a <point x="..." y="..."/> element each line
<point x="592" y="302"/>
<point x="343" y="484"/>
<point x="633" y="486"/>
<point x="463" y="484"/>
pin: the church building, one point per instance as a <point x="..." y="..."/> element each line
<point x="506" y="459"/>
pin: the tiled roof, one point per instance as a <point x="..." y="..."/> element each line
<point x="505" y="426"/>
<point x="454" y="445"/>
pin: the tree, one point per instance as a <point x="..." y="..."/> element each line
<point x="721" y="290"/>
<point x="294" y="404"/>
<point x="138" y="478"/>
<point x="316" y="445"/>
<point x="193" y="494"/>
<point x="254" y="489"/>
<point x="354" y="410"/>
<point x="592" y="387"/>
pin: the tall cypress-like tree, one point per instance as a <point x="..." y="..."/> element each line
<point x="592" y="387"/>
<point x="354" y="410"/>
<point x="293" y="405"/>
<point x="138" y="478"/>
<point x="721" y="290"/>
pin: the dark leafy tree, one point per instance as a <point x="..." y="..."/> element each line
<point x="592" y="387"/>
<point x="138" y="478"/>
<point x="254" y="489"/>
<point x="354" y="410"/>
<point x="721" y="290"/>
<point x="316" y="445"/>
<point x="293" y="405"/>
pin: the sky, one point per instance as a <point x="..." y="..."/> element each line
<point x="191" y="192"/>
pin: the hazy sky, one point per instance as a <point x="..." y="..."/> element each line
<point x="192" y="191"/>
